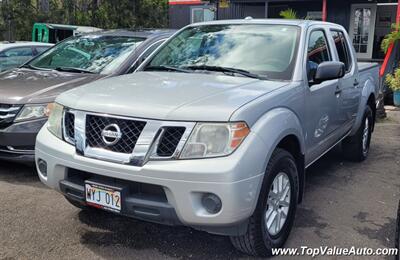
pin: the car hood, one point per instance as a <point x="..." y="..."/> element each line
<point x="24" y="86"/>
<point x="169" y="95"/>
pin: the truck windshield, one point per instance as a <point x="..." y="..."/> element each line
<point x="90" y="54"/>
<point x="268" y="51"/>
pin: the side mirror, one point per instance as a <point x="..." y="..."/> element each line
<point x="329" y="70"/>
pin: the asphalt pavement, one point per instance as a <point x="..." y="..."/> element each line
<point x="346" y="204"/>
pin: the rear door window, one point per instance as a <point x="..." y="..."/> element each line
<point x="342" y="48"/>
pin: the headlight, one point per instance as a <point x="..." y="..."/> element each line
<point x="214" y="139"/>
<point x="30" y="112"/>
<point x="54" y="124"/>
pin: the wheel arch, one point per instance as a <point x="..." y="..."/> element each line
<point x="291" y="144"/>
<point x="281" y="128"/>
<point x="368" y="97"/>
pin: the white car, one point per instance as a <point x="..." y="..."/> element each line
<point x="14" y="54"/>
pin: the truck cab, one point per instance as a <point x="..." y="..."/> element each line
<point x="215" y="129"/>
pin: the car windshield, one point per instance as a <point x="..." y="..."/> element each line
<point x="91" y="54"/>
<point x="265" y="50"/>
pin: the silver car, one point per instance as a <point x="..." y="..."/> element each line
<point x="14" y="54"/>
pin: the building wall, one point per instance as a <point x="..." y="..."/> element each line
<point x="179" y="16"/>
<point x="301" y="8"/>
<point x="242" y="10"/>
<point x="338" y="10"/>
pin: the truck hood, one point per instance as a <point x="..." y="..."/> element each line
<point x="169" y="95"/>
<point x="24" y="86"/>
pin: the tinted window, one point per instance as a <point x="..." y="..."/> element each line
<point x="267" y="50"/>
<point x="342" y="48"/>
<point x="39" y="50"/>
<point x="318" y="51"/>
<point x="18" y="52"/>
<point x="94" y="53"/>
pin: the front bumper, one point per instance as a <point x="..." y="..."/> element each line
<point x="17" y="142"/>
<point x="235" y="179"/>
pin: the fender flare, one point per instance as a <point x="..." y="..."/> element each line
<point x="367" y="90"/>
<point x="273" y="127"/>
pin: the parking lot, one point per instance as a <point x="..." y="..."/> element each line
<point x="346" y="204"/>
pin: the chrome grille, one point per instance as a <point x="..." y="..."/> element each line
<point x="130" y="130"/>
<point x="137" y="140"/>
<point x="169" y="141"/>
<point x="8" y="114"/>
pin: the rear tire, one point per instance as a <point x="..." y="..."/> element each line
<point x="356" y="147"/>
<point x="262" y="235"/>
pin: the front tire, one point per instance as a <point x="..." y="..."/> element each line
<point x="272" y="220"/>
<point x="356" y="147"/>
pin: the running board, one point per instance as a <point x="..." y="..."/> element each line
<point x="330" y="148"/>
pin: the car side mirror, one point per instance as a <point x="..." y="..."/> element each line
<point x="329" y="70"/>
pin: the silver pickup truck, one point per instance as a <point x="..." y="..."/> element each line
<point x="216" y="128"/>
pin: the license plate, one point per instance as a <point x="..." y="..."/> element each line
<point x="103" y="197"/>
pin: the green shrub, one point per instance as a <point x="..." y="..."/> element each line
<point x="391" y="38"/>
<point x="393" y="80"/>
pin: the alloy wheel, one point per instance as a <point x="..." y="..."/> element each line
<point x="278" y="204"/>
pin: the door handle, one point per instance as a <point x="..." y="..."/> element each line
<point x="338" y="91"/>
<point x="356" y="83"/>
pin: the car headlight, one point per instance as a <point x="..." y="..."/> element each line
<point x="54" y="124"/>
<point x="30" y="112"/>
<point x="214" y="139"/>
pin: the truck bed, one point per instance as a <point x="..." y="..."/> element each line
<point x="369" y="71"/>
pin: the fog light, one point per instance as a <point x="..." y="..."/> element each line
<point x="212" y="203"/>
<point x="42" y="165"/>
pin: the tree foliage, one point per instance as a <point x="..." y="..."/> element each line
<point x="393" y="80"/>
<point x="391" y="38"/>
<point x="107" y="14"/>
<point x="288" y="14"/>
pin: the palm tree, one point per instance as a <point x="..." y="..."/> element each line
<point x="288" y="14"/>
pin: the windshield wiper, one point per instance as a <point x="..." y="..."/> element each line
<point x="166" y="68"/>
<point x="28" y="66"/>
<point x="226" y="69"/>
<point x="72" y="69"/>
